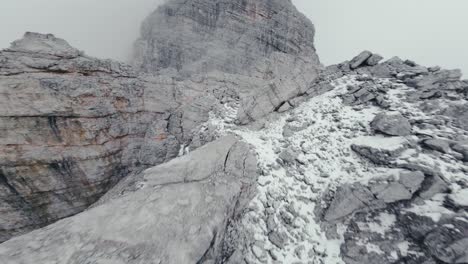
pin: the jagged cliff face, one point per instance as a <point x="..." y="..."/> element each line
<point x="361" y="162"/>
<point x="267" y="43"/>
<point x="240" y="37"/>
<point x="71" y="127"/>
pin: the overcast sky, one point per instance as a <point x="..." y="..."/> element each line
<point x="428" y="31"/>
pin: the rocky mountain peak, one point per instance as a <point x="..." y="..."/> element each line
<point x="229" y="143"/>
<point x="236" y="36"/>
<point x="44" y="44"/>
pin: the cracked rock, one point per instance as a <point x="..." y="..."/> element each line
<point x="393" y="124"/>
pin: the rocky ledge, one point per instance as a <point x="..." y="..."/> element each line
<point x="360" y="162"/>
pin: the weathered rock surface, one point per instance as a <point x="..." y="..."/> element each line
<point x="240" y="37"/>
<point x="380" y="150"/>
<point x="392" y="124"/>
<point x="329" y="189"/>
<point x="268" y="41"/>
<point x="348" y="200"/>
<point x="71" y="127"/>
<point x="177" y="212"/>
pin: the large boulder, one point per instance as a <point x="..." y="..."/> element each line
<point x="392" y="124"/>
<point x="347" y="200"/>
<point x="174" y="213"/>
<point x="378" y="149"/>
<point x="399" y="190"/>
<point x="360" y="59"/>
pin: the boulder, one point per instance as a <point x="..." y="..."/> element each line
<point x="400" y="190"/>
<point x="174" y="213"/>
<point x="393" y="124"/>
<point x="360" y="59"/>
<point x="429" y="80"/>
<point x="378" y="149"/>
<point x="461" y="148"/>
<point x="374" y="59"/>
<point x="437" y="145"/>
<point x="347" y="200"/>
<point x="448" y="243"/>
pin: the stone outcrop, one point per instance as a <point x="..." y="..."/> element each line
<point x="267" y="42"/>
<point x="255" y="38"/>
<point x="71" y="127"/>
<point x="360" y="162"/>
<point x="176" y="213"/>
<point x="392" y="124"/>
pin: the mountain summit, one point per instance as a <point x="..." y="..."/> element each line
<point x="255" y="38"/>
<point x="228" y="142"/>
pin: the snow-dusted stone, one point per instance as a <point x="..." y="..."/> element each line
<point x="393" y="124"/>
<point x="449" y="243"/>
<point x="437" y="144"/>
<point x="278" y="238"/>
<point x="379" y="149"/>
<point x="44" y="44"/>
<point x="461" y="148"/>
<point x="460" y="198"/>
<point x="71" y="127"/>
<point x="429" y="80"/>
<point x="360" y="59"/>
<point x="402" y="189"/>
<point x="347" y="200"/>
<point x="174" y="213"/>
<point x="289" y="156"/>
<point x="374" y="59"/>
<point x="435" y="186"/>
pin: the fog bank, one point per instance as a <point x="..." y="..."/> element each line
<point x="427" y="31"/>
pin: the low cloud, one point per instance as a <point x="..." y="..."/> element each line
<point x="101" y="28"/>
<point x="427" y="31"/>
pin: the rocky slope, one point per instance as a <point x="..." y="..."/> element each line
<point x="373" y="171"/>
<point x="174" y="213"/>
<point x="360" y="162"/>
<point x="73" y="126"/>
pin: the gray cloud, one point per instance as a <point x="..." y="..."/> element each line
<point x="430" y="32"/>
<point x="102" y="28"/>
<point x="427" y="31"/>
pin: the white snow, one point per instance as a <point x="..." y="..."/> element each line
<point x="432" y="208"/>
<point x="326" y="129"/>
<point x="460" y="197"/>
<point x="386" y="221"/>
<point x="381" y="142"/>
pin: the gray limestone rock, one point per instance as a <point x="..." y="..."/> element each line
<point x="380" y="150"/>
<point x="360" y="59"/>
<point x="178" y="215"/>
<point x="402" y="189"/>
<point x="437" y="144"/>
<point x="449" y="243"/>
<point x="269" y="43"/>
<point x="393" y="124"/>
<point x="71" y="127"/>
<point x="374" y="59"/>
<point x="461" y="148"/>
<point x="238" y="37"/>
<point x="347" y="200"/>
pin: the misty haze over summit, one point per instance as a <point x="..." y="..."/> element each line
<point x="427" y="31"/>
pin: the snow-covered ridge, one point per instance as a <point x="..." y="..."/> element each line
<point x="306" y="154"/>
